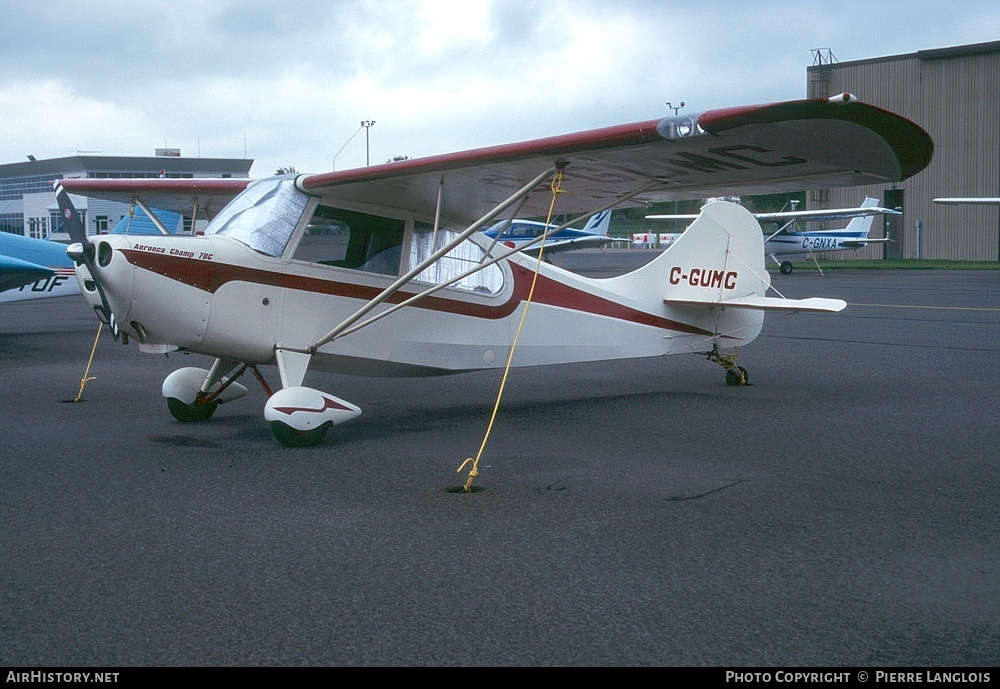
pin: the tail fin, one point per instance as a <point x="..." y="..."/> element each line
<point x="599" y="223"/>
<point x="714" y="276"/>
<point x="72" y="224"/>
<point x="720" y="256"/>
<point x="863" y="224"/>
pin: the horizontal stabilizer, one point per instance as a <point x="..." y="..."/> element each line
<point x="812" y="304"/>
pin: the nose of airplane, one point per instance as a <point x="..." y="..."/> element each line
<point x="105" y="277"/>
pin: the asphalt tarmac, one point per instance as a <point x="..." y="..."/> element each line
<point x="842" y="510"/>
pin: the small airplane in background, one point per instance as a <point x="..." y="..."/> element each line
<point x="34" y="269"/>
<point x="517" y="233"/>
<point x="384" y="270"/>
<point x="789" y="244"/>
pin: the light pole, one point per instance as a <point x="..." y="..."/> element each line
<point x="367" y="124"/>
<point x="675" y="109"/>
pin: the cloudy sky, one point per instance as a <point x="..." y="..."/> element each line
<point x="289" y="82"/>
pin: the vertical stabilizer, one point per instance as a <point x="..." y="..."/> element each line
<point x="863" y="225"/>
<point x="599" y="223"/>
<point x="721" y="256"/>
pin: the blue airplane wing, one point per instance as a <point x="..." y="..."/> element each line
<point x="140" y="223"/>
<point x="24" y="260"/>
<point x="14" y="272"/>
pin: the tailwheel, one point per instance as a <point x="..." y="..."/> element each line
<point x="291" y="437"/>
<point x="198" y="411"/>
<point x="737" y="375"/>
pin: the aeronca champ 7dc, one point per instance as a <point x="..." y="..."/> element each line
<point x="384" y="270"/>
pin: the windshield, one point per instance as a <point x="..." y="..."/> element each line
<point x="264" y="216"/>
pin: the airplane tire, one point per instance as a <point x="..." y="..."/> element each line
<point x="733" y="376"/>
<point x="786" y="268"/>
<point x="291" y="437"/>
<point x="191" y="412"/>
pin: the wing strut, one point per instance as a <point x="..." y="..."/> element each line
<point x="156" y="221"/>
<point x="437" y="212"/>
<point x="419" y="268"/>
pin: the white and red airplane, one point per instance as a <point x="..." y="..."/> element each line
<point x="383" y="270"/>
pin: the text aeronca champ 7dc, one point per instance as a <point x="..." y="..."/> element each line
<point x="384" y="270"/>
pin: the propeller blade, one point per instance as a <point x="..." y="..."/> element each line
<point x="84" y="254"/>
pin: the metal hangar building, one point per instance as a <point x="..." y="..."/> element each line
<point x="954" y="94"/>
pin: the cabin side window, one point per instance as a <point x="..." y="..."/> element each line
<point x="460" y="259"/>
<point x="350" y="239"/>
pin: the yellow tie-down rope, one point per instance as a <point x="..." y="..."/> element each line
<point x="86" y="377"/>
<point x="474" y="471"/>
<point x="86" y="374"/>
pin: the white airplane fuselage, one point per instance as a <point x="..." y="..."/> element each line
<point x="800" y="245"/>
<point x="214" y="295"/>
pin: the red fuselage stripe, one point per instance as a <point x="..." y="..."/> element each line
<point x="210" y="276"/>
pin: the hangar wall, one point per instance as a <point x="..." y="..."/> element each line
<point x="954" y="94"/>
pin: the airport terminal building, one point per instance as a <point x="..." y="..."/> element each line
<point x="954" y="94"/>
<point x="28" y="204"/>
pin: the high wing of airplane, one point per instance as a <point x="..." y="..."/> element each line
<point x="969" y="201"/>
<point x="384" y="270"/>
<point x="789" y="243"/>
<point x="34" y="268"/>
<point x="198" y="198"/>
<point x="516" y="233"/>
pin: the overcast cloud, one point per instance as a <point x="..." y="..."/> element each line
<point x="289" y="82"/>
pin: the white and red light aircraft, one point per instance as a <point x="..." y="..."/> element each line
<point x="383" y="270"/>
